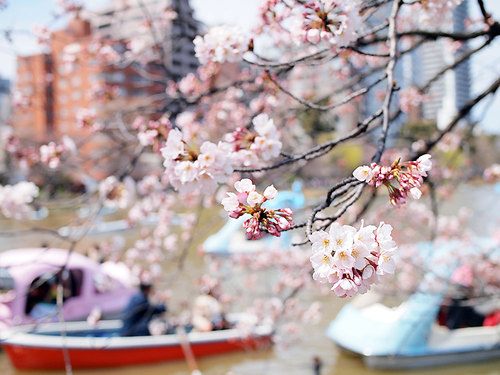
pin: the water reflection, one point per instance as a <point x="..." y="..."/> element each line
<point x="296" y="359"/>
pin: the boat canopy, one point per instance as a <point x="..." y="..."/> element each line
<point x="404" y="330"/>
<point x="380" y="330"/>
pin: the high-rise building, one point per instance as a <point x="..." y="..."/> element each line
<point x="4" y="99"/>
<point x="59" y="83"/>
<point x="174" y="29"/>
<point x="4" y="115"/>
<point x="446" y="94"/>
<point x="452" y="90"/>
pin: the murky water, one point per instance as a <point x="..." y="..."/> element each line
<point x="297" y="359"/>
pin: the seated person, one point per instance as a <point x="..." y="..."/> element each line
<point x="208" y="314"/>
<point x="139" y="312"/>
<point x="42" y="300"/>
<point x="462" y="312"/>
<point x="462" y="315"/>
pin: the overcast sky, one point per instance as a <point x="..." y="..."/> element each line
<point x="23" y="14"/>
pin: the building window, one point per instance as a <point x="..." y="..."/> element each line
<point x="28" y="76"/>
<point x="77" y="95"/>
<point x="136" y="92"/>
<point x="95" y="78"/>
<point x="28" y="90"/>
<point x="116" y="77"/>
<point x="62" y="83"/>
<point x="76" y="81"/>
<point x="122" y="92"/>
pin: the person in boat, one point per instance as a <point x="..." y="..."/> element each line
<point x="42" y="297"/>
<point x="461" y="312"/>
<point x="208" y="314"/>
<point x="139" y="312"/>
<point x="39" y="300"/>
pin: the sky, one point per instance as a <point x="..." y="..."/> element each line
<point x="24" y="14"/>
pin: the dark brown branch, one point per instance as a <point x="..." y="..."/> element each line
<point x="464" y="111"/>
<point x="318" y="150"/>
<point x="390" y="81"/>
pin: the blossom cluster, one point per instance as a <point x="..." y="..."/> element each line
<point x="104" y="92"/>
<point x="408" y="174"/>
<point x="221" y="44"/>
<point x="103" y="53"/>
<point x="87" y="119"/>
<point x="333" y="21"/>
<point x="15" y="199"/>
<point x="116" y="194"/>
<point x="152" y="133"/>
<point x="352" y="260"/>
<point x="51" y="153"/>
<point x="189" y="169"/>
<point x="42" y="35"/>
<point x="264" y="142"/>
<point x="249" y="201"/>
<point x="410" y="98"/>
<point x="492" y="173"/>
<point x="438" y="8"/>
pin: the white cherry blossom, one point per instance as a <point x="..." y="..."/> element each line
<point x="244" y="186"/>
<point x="270" y="192"/>
<point x="363" y="173"/>
<point x="254" y="198"/>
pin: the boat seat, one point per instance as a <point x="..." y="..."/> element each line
<point x="463" y="338"/>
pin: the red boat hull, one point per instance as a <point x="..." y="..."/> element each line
<point x="36" y="358"/>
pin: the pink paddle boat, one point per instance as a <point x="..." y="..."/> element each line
<point x="29" y="280"/>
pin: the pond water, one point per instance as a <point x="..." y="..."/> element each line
<point x="297" y="358"/>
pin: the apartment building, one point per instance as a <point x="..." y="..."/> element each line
<point x="70" y="77"/>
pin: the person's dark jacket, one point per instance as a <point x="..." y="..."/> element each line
<point x="138" y="314"/>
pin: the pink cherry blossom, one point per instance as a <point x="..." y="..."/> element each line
<point x="15" y="199"/>
<point x="352" y="260"/>
<point x="249" y="201"/>
<point x="221" y="44"/>
<point x="408" y="174"/>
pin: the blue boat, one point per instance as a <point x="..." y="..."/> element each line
<point x="408" y="336"/>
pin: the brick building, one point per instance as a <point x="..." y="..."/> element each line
<point x="59" y="83"/>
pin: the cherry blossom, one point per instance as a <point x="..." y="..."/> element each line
<point x="42" y="34"/>
<point x="492" y="173"/>
<point x="87" y="119"/>
<point x="333" y="21"/>
<point x="408" y="174"/>
<point x="51" y="153"/>
<point x="351" y="260"/>
<point x="115" y="194"/>
<point x="410" y="99"/>
<point x="439" y="8"/>
<point x="15" y="199"/>
<point x="249" y="201"/>
<point x="221" y="44"/>
<point x="191" y="170"/>
<point x="249" y="146"/>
